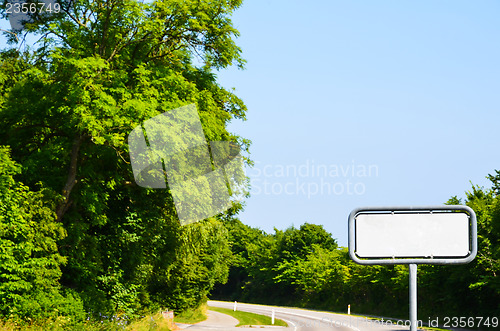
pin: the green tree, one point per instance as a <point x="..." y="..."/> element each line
<point x="300" y="242"/>
<point x="495" y="179"/>
<point x="474" y="288"/>
<point x="277" y="268"/>
<point x="485" y="286"/>
<point x="243" y="240"/>
<point x="66" y="108"/>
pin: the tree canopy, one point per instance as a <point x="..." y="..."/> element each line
<point x="67" y="104"/>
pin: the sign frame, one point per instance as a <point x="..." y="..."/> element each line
<point x="413" y="210"/>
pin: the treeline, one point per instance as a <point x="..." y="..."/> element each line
<point x="304" y="267"/>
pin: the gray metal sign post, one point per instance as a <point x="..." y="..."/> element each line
<point x="413" y="235"/>
<point x="413" y="297"/>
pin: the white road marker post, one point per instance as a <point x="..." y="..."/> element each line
<point x="234" y="308"/>
<point x="348" y="309"/>
<point x="272" y="318"/>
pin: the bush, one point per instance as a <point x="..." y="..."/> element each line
<point x="29" y="259"/>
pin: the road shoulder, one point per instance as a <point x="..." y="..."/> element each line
<point x="214" y="320"/>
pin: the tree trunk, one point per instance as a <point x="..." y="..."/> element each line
<point x="71" y="180"/>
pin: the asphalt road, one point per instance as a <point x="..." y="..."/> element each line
<point x="301" y="319"/>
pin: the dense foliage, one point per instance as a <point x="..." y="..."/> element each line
<point x="304" y="267"/>
<point x="30" y="264"/>
<point x="74" y="225"/>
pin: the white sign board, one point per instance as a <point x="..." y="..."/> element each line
<point x="397" y="235"/>
<point x="412" y="235"/>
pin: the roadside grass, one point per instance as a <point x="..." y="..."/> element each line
<point x="146" y="323"/>
<point x="192" y="316"/>
<point x="59" y="324"/>
<point x="247" y="318"/>
<point x="151" y="322"/>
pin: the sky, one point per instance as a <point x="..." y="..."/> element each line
<point x="364" y="103"/>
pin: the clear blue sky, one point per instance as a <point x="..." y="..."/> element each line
<point x="408" y="89"/>
<point x="406" y="92"/>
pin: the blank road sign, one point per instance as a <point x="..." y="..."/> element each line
<point x="412" y="235"/>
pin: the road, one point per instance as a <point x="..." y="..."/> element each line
<point x="297" y="319"/>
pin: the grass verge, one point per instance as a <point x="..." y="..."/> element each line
<point x="192" y="316"/>
<point x="247" y="318"/>
<point x="146" y="323"/>
<point x="151" y="322"/>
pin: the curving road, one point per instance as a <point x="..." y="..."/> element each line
<point x="301" y="320"/>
